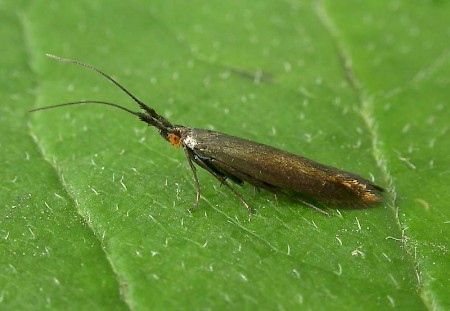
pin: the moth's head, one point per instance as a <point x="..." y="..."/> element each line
<point x="173" y="135"/>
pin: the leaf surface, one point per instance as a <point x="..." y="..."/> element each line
<point x="95" y="203"/>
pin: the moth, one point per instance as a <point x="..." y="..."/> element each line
<point x="242" y="161"/>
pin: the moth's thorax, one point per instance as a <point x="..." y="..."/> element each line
<point x="189" y="141"/>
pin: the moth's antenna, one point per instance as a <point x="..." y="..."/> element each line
<point x="149" y="110"/>
<point x="82" y="102"/>
<point x="144" y="117"/>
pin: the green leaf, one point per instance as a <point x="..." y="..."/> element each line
<point x="95" y="202"/>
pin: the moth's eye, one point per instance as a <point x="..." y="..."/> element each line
<point x="174" y="140"/>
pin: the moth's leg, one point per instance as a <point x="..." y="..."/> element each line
<point x="259" y="183"/>
<point x="310" y="205"/>
<point x="189" y="156"/>
<point x="222" y="180"/>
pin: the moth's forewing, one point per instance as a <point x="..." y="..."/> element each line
<point x="260" y="164"/>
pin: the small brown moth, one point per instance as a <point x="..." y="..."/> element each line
<point x="240" y="160"/>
